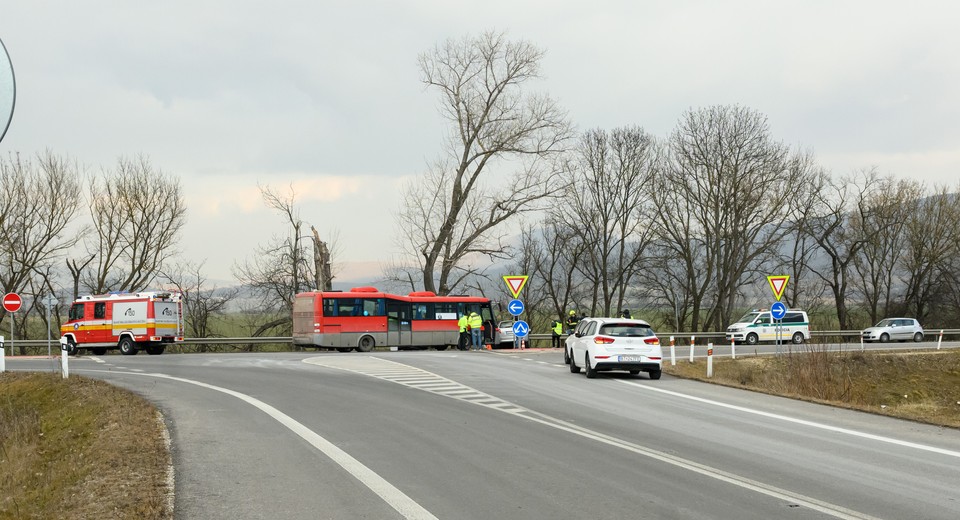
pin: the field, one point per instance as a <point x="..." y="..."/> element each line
<point x="919" y="386"/>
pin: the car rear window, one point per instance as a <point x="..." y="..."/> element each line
<point x="629" y="330"/>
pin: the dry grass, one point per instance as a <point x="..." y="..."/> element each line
<point x="78" y="449"/>
<point x="922" y="387"/>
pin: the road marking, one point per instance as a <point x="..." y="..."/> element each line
<point x="402" y="374"/>
<point x="397" y="499"/>
<point x="804" y="422"/>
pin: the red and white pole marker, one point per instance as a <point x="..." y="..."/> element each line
<point x="693" y="341"/>
<point x="709" y="359"/>
<point x="3" y="353"/>
<point x="733" y="348"/>
<point x="940" y="339"/>
<point x="673" y="352"/>
<point x="64" y="358"/>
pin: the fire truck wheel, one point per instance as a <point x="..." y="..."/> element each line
<point x="156" y="350"/>
<point x="72" y="349"/>
<point x="366" y="344"/>
<point x="98" y="351"/>
<point x="127" y="348"/>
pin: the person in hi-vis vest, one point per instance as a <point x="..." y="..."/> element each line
<point x="557" y="331"/>
<point x="476" y="331"/>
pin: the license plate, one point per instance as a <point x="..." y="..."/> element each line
<point x="626" y="359"/>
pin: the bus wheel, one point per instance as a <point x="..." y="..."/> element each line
<point x="366" y="344"/>
<point x="127" y="348"/>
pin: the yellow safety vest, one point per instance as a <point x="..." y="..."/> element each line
<point x="462" y="322"/>
<point x="476" y="321"/>
<point x="558" y="328"/>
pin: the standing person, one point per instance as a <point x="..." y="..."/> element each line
<point x="625" y="313"/>
<point x="572" y="321"/>
<point x="464" y="335"/>
<point x="557" y="330"/>
<point x="476" y="331"/>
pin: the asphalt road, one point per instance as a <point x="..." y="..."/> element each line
<point x="481" y="435"/>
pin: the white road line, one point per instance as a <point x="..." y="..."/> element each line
<point x="358" y="365"/>
<point x="804" y="422"/>
<point x="399" y="501"/>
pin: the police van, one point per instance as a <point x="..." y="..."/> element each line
<point x="758" y="325"/>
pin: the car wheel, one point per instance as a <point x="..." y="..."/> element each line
<point x="655" y="374"/>
<point x="797" y="338"/>
<point x="127" y="348"/>
<point x="634" y="372"/>
<point x="918" y="337"/>
<point x="884" y="337"/>
<point x="752" y="339"/>
<point x="574" y="369"/>
<point x="366" y="344"/>
<point x="566" y="357"/>
<point x="591" y="372"/>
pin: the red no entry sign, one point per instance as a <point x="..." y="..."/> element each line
<point x="12" y="302"/>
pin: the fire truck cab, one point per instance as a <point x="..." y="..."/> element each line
<point x="127" y="321"/>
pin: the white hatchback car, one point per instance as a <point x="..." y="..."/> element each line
<point x="601" y="344"/>
<point x="899" y="329"/>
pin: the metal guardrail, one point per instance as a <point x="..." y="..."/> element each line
<point x="930" y="334"/>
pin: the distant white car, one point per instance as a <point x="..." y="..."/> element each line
<point x="894" y="329"/>
<point x="504" y="334"/>
<point x="602" y="344"/>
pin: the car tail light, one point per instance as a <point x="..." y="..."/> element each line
<point x="602" y="357"/>
<point x="603" y="340"/>
<point x="652" y="341"/>
<point x="654" y="359"/>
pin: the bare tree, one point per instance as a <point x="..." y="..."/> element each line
<point x="723" y="196"/>
<point x="884" y="229"/>
<point x="282" y="268"/>
<point x="932" y="238"/>
<point x="201" y="302"/>
<point x="453" y="211"/>
<point x="38" y="202"/>
<point x="137" y="212"/>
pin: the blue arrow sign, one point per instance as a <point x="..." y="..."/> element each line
<point x="521" y="329"/>
<point x="515" y="307"/>
<point x="778" y="310"/>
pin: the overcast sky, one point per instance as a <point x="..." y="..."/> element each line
<point x="326" y="96"/>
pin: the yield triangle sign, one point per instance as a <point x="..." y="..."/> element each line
<point x="515" y="283"/>
<point x="777" y="284"/>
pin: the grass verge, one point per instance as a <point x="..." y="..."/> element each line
<point x="79" y="448"/>
<point x="919" y="386"/>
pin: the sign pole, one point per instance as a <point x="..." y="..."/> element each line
<point x="3" y="353"/>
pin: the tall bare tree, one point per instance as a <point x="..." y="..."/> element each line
<point x="201" y="301"/>
<point x="608" y="209"/>
<point x="496" y="127"/>
<point x="38" y="202"/>
<point x="932" y="238"/>
<point x="723" y="196"/>
<point x="138" y="212"/>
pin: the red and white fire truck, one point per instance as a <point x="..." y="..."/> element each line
<point x="127" y="321"/>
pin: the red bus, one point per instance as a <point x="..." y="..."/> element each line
<point x="364" y="318"/>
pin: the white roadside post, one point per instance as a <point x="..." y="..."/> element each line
<point x="3" y="353"/>
<point x="65" y="358"/>
<point x="861" y="343"/>
<point x="673" y="352"/>
<point x="709" y="359"/>
<point x="939" y="340"/>
<point x="733" y="348"/>
<point x="693" y="339"/>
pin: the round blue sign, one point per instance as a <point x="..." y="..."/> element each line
<point x="515" y="307"/>
<point x="521" y="329"/>
<point x="778" y="310"/>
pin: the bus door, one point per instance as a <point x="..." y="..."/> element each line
<point x="398" y="324"/>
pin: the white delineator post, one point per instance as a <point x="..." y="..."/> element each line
<point x="709" y="359"/>
<point x="693" y="340"/>
<point x="64" y="358"/>
<point x="3" y="354"/>
<point x="733" y="348"/>
<point x="673" y="352"/>
<point x="939" y="340"/>
<point x="861" y="343"/>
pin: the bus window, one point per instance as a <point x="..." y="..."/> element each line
<point x="329" y="307"/>
<point x="373" y="307"/>
<point x="420" y="311"/>
<point x="445" y="311"/>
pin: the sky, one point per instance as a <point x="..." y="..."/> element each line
<point x="325" y="98"/>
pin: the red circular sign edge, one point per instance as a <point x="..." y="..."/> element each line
<point x="10" y="307"/>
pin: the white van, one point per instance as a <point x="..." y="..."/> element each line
<point x="758" y="325"/>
